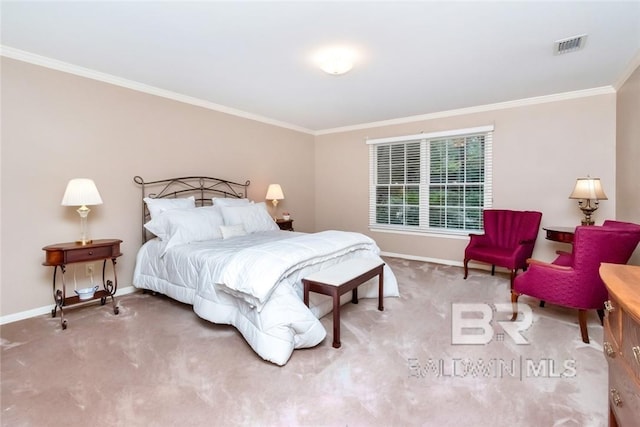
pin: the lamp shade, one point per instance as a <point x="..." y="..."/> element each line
<point x="588" y="189"/>
<point x="274" y="192"/>
<point x="81" y="192"/>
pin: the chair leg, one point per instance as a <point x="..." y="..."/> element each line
<point x="513" y="276"/>
<point x="541" y="303"/>
<point x="601" y="315"/>
<point x="514" y="304"/>
<point x="582" y="319"/>
<point x="466" y="268"/>
<point x="493" y="270"/>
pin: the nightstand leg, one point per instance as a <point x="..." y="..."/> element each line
<point x="55" y="294"/>
<point x="109" y="286"/>
<point x="58" y="297"/>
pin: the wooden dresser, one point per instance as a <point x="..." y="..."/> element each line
<point x="622" y="342"/>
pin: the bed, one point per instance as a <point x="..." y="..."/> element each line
<point x="206" y="244"/>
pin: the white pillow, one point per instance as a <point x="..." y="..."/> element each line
<point x="229" y="201"/>
<point x="157" y="206"/>
<point x="179" y="226"/>
<point x="229" y="231"/>
<point x="254" y="217"/>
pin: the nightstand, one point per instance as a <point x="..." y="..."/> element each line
<point x="285" y="224"/>
<point x="560" y="234"/>
<point x="62" y="254"/>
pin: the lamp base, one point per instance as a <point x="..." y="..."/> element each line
<point x="83" y="211"/>
<point x="588" y="209"/>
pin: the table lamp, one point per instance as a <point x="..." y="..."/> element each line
<point x="274" y="193"/>
<point x="588" y="191"/>
<point x="82" y="192"/>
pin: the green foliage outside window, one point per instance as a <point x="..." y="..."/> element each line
<point x="453" y="188"/>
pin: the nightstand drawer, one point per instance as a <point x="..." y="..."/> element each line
<point x="79" y="255"/>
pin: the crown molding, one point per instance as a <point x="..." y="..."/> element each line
<point x="604" y="90"/>
<point x="43" y="61"/>
<point x="631" y="67"/>
<point x="66" y="67"/>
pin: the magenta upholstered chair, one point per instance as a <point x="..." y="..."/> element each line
<point x="572" y="279"/>
<point x="508" y="240"/>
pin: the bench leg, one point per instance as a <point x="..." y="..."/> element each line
<point x="336" y="320"/>
<point x="305" y="293"/>
<point x="381" y="291"/>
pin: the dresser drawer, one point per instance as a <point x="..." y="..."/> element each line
<point x="631" y="343"/>
<point x="624" y="397"/>
<point x="613" y="319"/>
<point x="609" y="345"/>
<point x="88" y="254"/>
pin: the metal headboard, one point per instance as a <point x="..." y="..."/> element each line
<point x="203" y="188"/>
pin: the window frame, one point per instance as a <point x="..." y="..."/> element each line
<point x="425" y="140"/>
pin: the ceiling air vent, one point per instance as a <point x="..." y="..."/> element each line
<point x="571" y="44"/>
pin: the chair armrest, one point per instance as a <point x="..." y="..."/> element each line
<point x="564" y="258"/>
<point x="537" y="263"/>
<point x="478" y="240"/>
<point x="563" y="253"/>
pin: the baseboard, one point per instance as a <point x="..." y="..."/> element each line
<point x="475" y="266"/>
<point x="424" y="259"/>
<point x="10" y="318"/>
<point x="131" y="289"/>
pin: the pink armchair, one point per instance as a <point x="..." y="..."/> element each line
<point x="572" y="279"/>
<point x="508" y="240"/>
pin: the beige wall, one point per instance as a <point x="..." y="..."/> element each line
<point x="628" y="153"/>
<point x="539" y="151"/>
<point x="57" y="126"/>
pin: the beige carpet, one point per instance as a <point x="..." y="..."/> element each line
<point x="158" y="364"/>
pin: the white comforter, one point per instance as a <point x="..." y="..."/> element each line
<point x="253" y="273"/>
<point x="254" y="283"/>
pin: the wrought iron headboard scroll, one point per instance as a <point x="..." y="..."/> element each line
<point x="203" y="188"/>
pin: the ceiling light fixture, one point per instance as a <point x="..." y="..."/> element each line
<point x="336" y="60"/>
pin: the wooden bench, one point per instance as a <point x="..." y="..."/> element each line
<point x="341" y="278"/>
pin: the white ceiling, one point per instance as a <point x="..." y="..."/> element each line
<point x="414" y="58"/>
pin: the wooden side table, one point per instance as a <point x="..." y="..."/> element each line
<point x="62" y="254"/>
<point x="560" y="234"/>
<point x="285" y="224"/>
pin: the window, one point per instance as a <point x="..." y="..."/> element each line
<point x="430" y="182"/>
